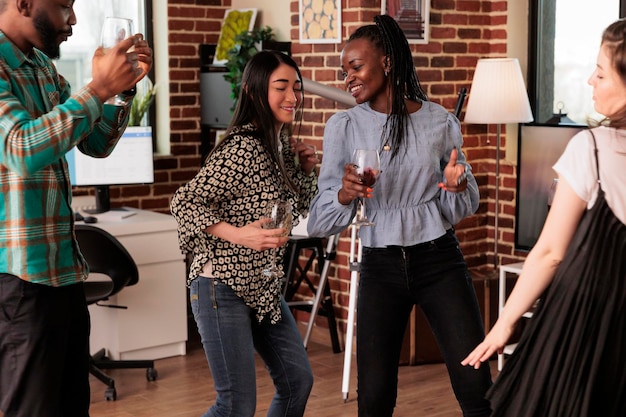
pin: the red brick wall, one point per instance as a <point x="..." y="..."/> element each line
<point x="461" y="32"/>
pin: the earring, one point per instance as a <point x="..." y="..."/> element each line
<point x="386" y="73"/>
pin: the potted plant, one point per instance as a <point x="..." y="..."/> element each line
<point x="246" y="45"/>
<point x="142" y="101"/>
<point x="138" y="127"/>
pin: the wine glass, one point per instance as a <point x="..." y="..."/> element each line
<point x="115" y="30"/>
<point x="367" y="164"/>
<point x="280" y="213"/>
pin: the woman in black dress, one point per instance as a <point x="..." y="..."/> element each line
<point x="571" y="359"/>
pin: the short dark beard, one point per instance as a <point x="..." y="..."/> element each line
<point x="48" y="36"/>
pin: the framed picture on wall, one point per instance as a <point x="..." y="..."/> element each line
<point x="413" y="16"/>
<point x="320" y="21"/>
<point x="235" y="22"/>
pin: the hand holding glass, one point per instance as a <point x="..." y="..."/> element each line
<point x="367" y="164"/>
<point x="280" y="214"/>
<point x="115" y="30"/>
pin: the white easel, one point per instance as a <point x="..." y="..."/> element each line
<point x="355" y="266"/>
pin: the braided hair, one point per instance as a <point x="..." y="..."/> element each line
<point x="389" y="38"/>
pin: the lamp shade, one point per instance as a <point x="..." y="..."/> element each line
<point x="498" y="93"/>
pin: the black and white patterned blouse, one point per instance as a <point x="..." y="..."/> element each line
<point x="234" y="185"/>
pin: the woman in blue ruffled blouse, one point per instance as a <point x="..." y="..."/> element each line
<point x="411" y="255"/>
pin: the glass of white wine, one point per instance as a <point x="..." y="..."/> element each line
<point x="280" y="214"/>
<point x="115" y="30"/>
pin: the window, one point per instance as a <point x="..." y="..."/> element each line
<point x="76" y="53"/>
<point x="564" y="43"/>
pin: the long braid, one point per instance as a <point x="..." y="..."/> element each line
<point x="387" y="36"/>
<point x="402" y="77"/>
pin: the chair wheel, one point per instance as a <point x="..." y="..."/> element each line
<point x="110" y="394"/>
<point x="151" y="374"/>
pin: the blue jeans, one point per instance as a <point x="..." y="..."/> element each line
<point x="392" y="280"/>
<point x="230" y="335"/>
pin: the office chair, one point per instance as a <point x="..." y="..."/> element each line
<point x="106" y="255"/>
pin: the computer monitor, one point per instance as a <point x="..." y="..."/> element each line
<point x="131" y="162"/>
<point x="539" y="147"/>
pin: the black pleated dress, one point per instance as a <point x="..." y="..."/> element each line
<point x="571" y="358"/>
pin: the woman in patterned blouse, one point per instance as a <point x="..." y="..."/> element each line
<point x="219" y="212"/>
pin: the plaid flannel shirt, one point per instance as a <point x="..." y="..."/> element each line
<point x="39" y="123"/>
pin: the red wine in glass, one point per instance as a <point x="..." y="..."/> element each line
<point x="367" y="164"/>
<point x="369" y="176"/>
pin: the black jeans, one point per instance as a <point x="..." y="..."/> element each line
<point x="44" y="349"/>
<point x="392" y="280"/>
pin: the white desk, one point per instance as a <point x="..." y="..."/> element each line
<point x="155" y="324"/>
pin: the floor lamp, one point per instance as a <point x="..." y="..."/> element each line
<point x="498" y="95"/>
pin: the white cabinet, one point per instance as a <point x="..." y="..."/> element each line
<point x="155" y="324"/>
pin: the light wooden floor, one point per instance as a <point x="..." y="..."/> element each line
<point x="184" y="387"/>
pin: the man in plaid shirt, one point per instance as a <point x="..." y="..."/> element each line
<point x="44" y="321"/>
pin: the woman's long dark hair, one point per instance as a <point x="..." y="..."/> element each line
<point x="253" y="107"/>
<point x="388" y="37"/>
<point x="614" y="39"/>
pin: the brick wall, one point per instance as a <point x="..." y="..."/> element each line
<point x="461" y="32"/>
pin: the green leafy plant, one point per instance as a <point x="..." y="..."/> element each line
<point x="142" y="101"/>
<point x="238" y="56"/>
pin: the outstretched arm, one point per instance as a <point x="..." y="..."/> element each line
<point x="538" y="271"/>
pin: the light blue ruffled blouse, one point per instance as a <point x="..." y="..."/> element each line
<point x="407" y="205"/>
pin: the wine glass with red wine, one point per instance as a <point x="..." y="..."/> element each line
<point x="367" y="164"/>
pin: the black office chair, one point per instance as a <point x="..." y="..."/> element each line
<point x="106" y="255"/>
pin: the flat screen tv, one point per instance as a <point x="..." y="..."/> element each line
<point x="131" y="162"/>
<point x="539" y="147"/>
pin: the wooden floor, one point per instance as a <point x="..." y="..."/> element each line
<point x="184" y="387"/>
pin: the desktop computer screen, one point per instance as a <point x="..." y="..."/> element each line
<point x="131" y="162"/>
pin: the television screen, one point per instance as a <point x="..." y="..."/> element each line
<point x="539" y="147"/>
<point x="131" y="162"/>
